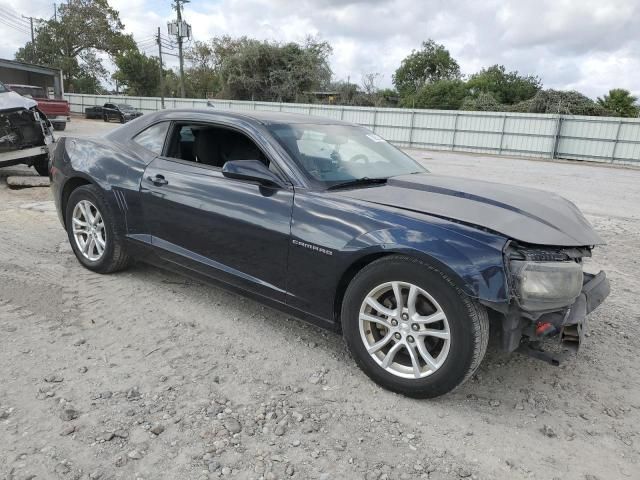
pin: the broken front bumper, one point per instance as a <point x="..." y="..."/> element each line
<point x="571" y="325"/>
<point x="594" y="290"/>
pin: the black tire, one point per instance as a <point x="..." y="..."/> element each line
<point x="41" y="165"/>
<point x="105" y="117"/>
<point x="60" y="126"/>
<point x="122" y="119"/>
<point x="115" y="255"/>
<point x="468" y="325"/>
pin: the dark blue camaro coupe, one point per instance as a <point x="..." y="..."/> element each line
<point x="329" y="222"/>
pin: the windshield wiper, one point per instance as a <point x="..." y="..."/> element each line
<point x="358" y="182"/>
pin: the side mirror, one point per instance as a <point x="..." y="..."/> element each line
<point x="251" y="170"/>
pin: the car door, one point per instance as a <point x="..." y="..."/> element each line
<point x="107" y="110"/>
<point x="232" y="230"/>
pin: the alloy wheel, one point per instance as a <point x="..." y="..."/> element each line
<point x="404" y="330"/>
<point x="89" y="230"/>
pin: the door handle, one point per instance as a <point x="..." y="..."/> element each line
<point x="158" y="180"/>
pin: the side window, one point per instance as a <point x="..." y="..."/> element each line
<point x="213" y="146"/>
<point x="152" y="138"/>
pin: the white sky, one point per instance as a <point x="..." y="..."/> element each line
<point x="587" y="45"/>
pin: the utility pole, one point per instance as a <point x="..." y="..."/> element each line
<point x="181" y="30"/>
<point x="159" y="40"/>
<point x="55" y="12"/>
<point x="31" y="22"/>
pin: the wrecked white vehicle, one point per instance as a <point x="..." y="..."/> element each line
<point x="25" y="132"/>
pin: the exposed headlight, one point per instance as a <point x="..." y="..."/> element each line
<point x="547" y="285"/>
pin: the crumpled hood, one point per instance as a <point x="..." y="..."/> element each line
<point x="13" y="101"/>
<point x="524" y="214"/>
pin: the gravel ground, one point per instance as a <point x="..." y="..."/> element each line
<point x="144" y="374"/>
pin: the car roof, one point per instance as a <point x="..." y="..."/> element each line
<point x="263" y="117"/>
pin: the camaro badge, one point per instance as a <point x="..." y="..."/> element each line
<point x="313" y="247"/>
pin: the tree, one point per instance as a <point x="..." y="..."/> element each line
<point x="254" y="70"/>
<point x="483" y="102"/>
<point x="139" y="74"/>
<point x="83" y="28"/>
<point x="370" y="83"/>
<point x="505" y="87"/>
<point x="620" y="102"/>
<point x="441" y="95"/>
<point x="557" y="101"/>
<point x="430" y="64"/>
<point x="201" y="76"/>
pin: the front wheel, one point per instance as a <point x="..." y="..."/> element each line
<point x="96" y="234"/>
<point x="410" y="329"/>
<point x="105" y="117"/>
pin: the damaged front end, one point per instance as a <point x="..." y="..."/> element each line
<point x="551" y="297"/>
<point x="25" y="133"/>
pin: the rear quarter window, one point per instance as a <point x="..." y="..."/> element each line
<point x="152" y="138"/>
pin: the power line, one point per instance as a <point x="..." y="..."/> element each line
<point x="15" y="27"/>
<point x="13" y="15"/>
<point x="16" y="21"/>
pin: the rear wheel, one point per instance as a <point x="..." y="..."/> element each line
<point x="105" y="117"/>
<point x="410" y="329"/>
<point x="59" y="126"/>
<point x="95" y="233"/>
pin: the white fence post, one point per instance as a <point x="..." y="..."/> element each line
<point x="413" y="122"/>
<point x="504" y="121"/>
<point x="455" y="130"/>
<point x="556" y="139"/>
<point x="615" y="142"/>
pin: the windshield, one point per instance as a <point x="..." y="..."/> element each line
<point x="124" y="106"/>
<point x="33" y="92"/>
<point x="334" y="154"/>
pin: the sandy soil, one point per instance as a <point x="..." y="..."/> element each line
<point x="144" y="374"/>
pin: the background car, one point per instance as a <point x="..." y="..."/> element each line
<point x="57" y="111"/>
<point x="93" y="112"/>
<point x="119" y="111"/>
<point x="328" y="222"/>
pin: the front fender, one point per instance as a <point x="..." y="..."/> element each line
<point x="471" y="258"/>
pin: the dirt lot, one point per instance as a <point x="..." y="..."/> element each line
<point x="147" y="375"/>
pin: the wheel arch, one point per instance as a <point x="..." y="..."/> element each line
<point x="70" y="185"/>
<point x="357" y="265"/>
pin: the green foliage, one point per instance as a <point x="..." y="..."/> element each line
<point x="428" y="65"/>
<point x="505" y="87"/>
<point x="620" y="102"/>
<point x="201" y="76"/>
<point x="440" y="95"/>
<point x="254" y="70"/>
<point x="483" y="102"/>
<point x="84" y="27"/>
<point x="89" y="84"/>
<point x="556" y="101"/>
<point x="137" y="73"/>
<point x="249" y="69"/>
